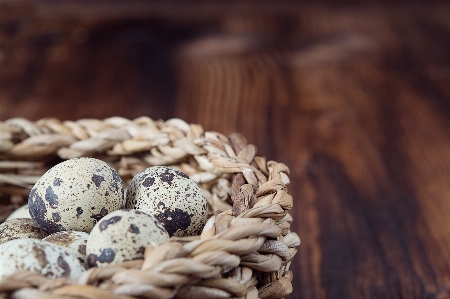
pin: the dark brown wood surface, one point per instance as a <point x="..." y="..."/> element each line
<point x="355" y="100"/>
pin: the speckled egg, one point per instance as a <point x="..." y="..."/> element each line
<point x="75" y="194"/>
<point x="38" y="257"/>
<point x="73" y="241"/>
<point x="122" y="236"/>
<point x="171" y="197"/>
<point x="19" y="228"/>
<point x="21" y="212"/>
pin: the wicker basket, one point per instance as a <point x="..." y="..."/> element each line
<point x="245" y="249"/>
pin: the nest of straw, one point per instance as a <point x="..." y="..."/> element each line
<point x="245" y="249"/>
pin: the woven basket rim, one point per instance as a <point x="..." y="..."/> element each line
<point x="244" y="250"/>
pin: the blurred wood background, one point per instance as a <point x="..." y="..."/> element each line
<point x="355" y="99"/>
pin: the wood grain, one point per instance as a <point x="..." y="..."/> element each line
<point x="355" y="100"/>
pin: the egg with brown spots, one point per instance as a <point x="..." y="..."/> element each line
<point x="122" y="236"/>
<point x="75" y="194"/>
<point x="171" y="197"/>
<point x="38" y="257"/>
<point x="19" y="228"/>
<point x="73" y="241"/>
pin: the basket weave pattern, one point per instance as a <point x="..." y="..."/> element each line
<point x="245" y="248"/>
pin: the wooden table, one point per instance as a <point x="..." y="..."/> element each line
<point x="355" y="100"/>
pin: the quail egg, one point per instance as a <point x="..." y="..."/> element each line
<point x="73" y="241"/>
<point x="171" y="197"/>
<point x="19" y="228"/>
<point x="121" y="236"/>
<point x="75" y="194"/>
<point x="38" y="257"/>
<point x="21" y="212"/>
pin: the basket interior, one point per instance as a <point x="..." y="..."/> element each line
<point x="244" y="250"/>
